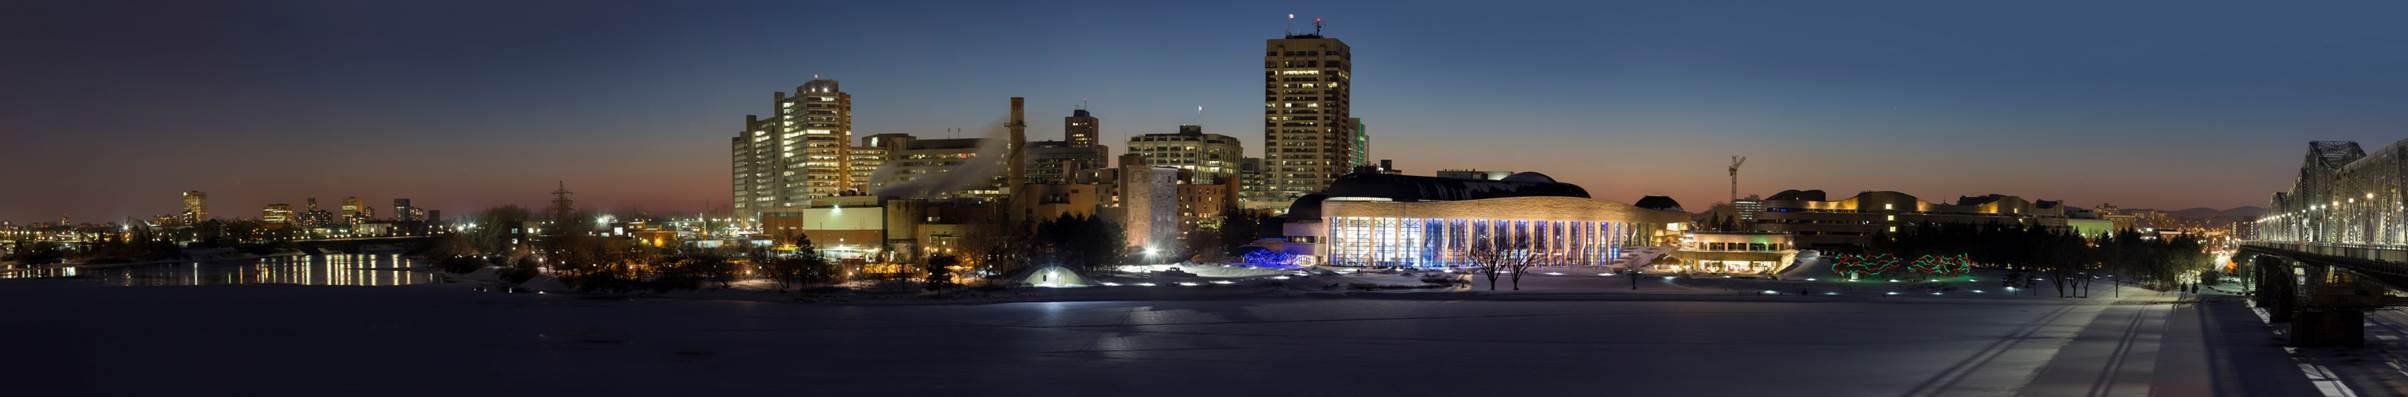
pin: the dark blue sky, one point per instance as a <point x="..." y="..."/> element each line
<point x="114" y="106"/>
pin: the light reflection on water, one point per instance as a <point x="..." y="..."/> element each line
<point x="336" y="270"/>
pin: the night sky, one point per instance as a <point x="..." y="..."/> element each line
<point x="112" y="107"/>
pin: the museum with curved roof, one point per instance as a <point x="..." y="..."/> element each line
<point x="1388" y="220"/>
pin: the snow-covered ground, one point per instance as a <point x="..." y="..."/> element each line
<point x="72" y="338"/>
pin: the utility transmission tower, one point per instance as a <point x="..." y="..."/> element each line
<point x="562" y="207"/>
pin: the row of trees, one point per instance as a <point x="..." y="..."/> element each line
<point x="2068" y="258"/>
<point x="567" y="248"/>
<point x="143" y="243"/>
<point x="516" y="239"/>
<point x="1078" y="242"/>
<point x="27" y="251"/>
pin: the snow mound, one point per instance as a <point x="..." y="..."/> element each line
<point x="1049" y="276"/>
<point x="1810" y="263"/>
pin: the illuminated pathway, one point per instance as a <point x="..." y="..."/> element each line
<point x="434" y="340"/>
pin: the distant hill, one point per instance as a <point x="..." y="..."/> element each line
<point x="2202" y="213"/>
<point x="2245" y="212"/>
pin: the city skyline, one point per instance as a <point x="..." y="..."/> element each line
<point x="266" y="107"/>
<point x="630" y="197"/>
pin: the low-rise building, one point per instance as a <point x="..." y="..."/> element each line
<point x="1206" y="157"/>
<point x="1851" y="223"/>
<point x="1732" y="253"/>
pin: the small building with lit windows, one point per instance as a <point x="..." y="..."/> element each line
<point x="1370" y="219"/>
<point x="1734" y="253"/>
<point x="1852" y="223"/>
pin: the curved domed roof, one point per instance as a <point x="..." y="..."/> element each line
<point x="1658" y="203"/>
<point x="1306" y="207"/>
<point x="1426" y="188"/>
<point x="1528" y="177"/>
<point x="1798" y="195"/>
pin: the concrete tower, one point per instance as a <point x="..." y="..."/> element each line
<point x="1307" y="130"/>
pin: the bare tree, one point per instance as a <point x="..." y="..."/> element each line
<point x="1493" y="258"/>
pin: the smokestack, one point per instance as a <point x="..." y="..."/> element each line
<point x="1015" y="174"/>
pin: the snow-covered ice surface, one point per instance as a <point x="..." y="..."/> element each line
<point x="70" y="338"/>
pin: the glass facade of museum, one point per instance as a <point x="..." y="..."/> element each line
<point x="1437" y="243"/>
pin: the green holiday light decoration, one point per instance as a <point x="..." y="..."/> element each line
<point x="1857" y="265"/>
<point x="1931" y="266"/>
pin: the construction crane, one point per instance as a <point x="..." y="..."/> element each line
<point x="1735" y="162"/>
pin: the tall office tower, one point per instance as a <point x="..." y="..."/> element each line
<point x="1080" y="129"/>
<point x="353" y="211"/>
<point x="402" y="211"/>
<point x="803" y="151"/>
<point x="1359" y="154"/>
<point x="196" y="206"/>
<point x="1307" y="131"/>
<point x="820" y="116"/>
<point x="753" y="168"/>
<point x="1207" y="157"/>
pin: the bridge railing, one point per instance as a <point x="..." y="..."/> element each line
<point x="2387" y="258"/>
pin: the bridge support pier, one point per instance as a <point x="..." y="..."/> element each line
<point x="2329" y="328"/>
<point x="2322" y="292"/>
<point x="2277" y="291"/>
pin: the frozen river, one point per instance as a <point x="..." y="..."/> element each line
<point x="76" y="340"/>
